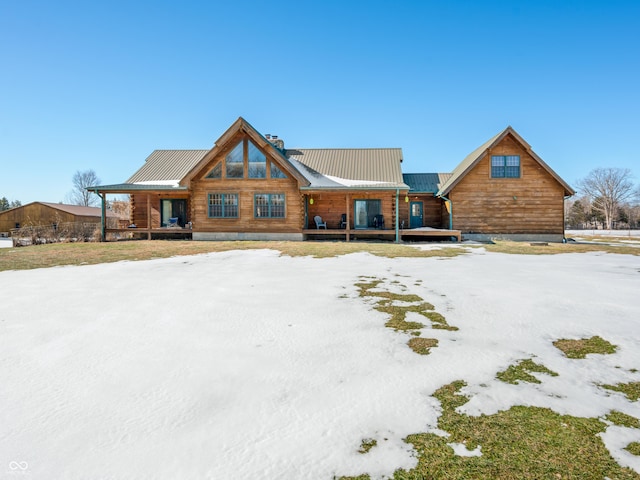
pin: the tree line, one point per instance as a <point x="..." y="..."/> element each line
<point x="607" y="198"/>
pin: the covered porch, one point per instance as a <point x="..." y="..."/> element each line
<point x="367" y="214"/>
<point x="157" y="211"/>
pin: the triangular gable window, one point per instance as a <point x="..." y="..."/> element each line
<point x="276" y="172"/>
<point x="235" y="162"/>
<point x="257" y="161"/>
<point x="216" y="172"/>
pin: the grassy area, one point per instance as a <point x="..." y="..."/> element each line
<point x="582" y="347"/>
<point x="525" y="248"/>
<point x="519" y="443"/>
<point x="41" y="256"/>
<point x="367" y="444"/>
<point x="631" y="390"/>
<point x="622" y="419"/>
<point x="51" y="255"/>
<point x="521" y="372"/>
<point x="422" y="346"/>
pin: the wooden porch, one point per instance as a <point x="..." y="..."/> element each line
<point x="414" y="233"/>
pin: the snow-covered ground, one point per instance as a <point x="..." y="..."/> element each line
<point x="251" y="365"/>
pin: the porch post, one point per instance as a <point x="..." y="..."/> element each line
<point x="148" y="216"/>
<point x="348" y="209"/>
<point x="103" y="219"/>
<point x="397" y="226"/>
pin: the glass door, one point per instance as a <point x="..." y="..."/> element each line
<point x="415" y="219"/>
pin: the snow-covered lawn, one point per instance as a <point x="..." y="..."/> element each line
<point x="251" y="365"/>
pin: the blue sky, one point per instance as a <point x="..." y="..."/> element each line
<point x="100" y="85"/>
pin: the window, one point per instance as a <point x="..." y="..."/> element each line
<point x="235" y="162"/>
<point x="276" y="172"/>
<point x="505" y="166"/>
<point x="216" y="172"/>
<point x="223" y="205"/>
<point x="269" y="205"/>
<point x="257" y="162"/>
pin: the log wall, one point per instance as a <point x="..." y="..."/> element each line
<point x="533" y="203"/>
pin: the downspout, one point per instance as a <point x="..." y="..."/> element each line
<point x="397" y="227"/>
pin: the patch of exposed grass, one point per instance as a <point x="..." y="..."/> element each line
<point x="633" y="448"/>
<point x="422" y="346"/>
<point x="359" y="477"/>
<point x="370" y="287"/>
<point x="584" y="346"/>
<point x="622" y="419"/>
<point x="398" y="317"/>
<point x="525" y="248"/>
<point x="42" y="256"/>
<point x="522" y="443"/>
<point x="631" y="390"/>
<point x="438" y="321"/>
<point x="367" y="444"/>
<point x="521" y="372"/>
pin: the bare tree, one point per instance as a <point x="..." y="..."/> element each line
<point x="607" y="188"/>
<point x="81" y="181"/>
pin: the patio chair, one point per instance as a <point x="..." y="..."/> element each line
<point x="343" y="221"/>
<point x="319" y="223"/>
<point x="378" y="221"/>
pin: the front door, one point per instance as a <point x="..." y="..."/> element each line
<point x="415" y="217"/>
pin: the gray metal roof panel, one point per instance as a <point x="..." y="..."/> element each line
<point x="364" y="166"/>
<point x="167" y="165"/>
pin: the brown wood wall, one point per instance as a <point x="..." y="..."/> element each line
<point x="38" y="214"/>
<point x="533" y="203"/>
<point x="431" y="207"/>
<point x="246" y="188"/>
<point x="138" y="208"/>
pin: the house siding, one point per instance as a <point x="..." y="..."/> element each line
<point x="533" y="203"/>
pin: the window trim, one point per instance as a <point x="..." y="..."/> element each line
<point x="223" y="205"/>
<point x="269" y="204"/>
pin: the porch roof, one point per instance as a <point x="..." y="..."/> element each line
<point x="137" y="187"/>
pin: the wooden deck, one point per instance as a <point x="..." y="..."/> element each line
<point x="414" y="232"/>
<point x="431" y="232"/>
<point x="347" y="234"/>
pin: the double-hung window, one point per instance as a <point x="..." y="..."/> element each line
<point x="269" y="205"/>
<point x="223" y="205"/>
<point x="505" y="166"/>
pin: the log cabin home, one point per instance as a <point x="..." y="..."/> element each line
<point x="250" y="187"/>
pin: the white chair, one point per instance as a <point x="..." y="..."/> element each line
<point x="319" y="222"/>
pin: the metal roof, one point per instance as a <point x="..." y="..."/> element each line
<point x="349" y="167"/>
<point x="167" y="165"/>
<point x="425" y="182"/>
<point x="128" y="187"/>
<point x="77" y="210"/>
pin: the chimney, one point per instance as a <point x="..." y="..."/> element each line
<point x="277" y="142"/>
